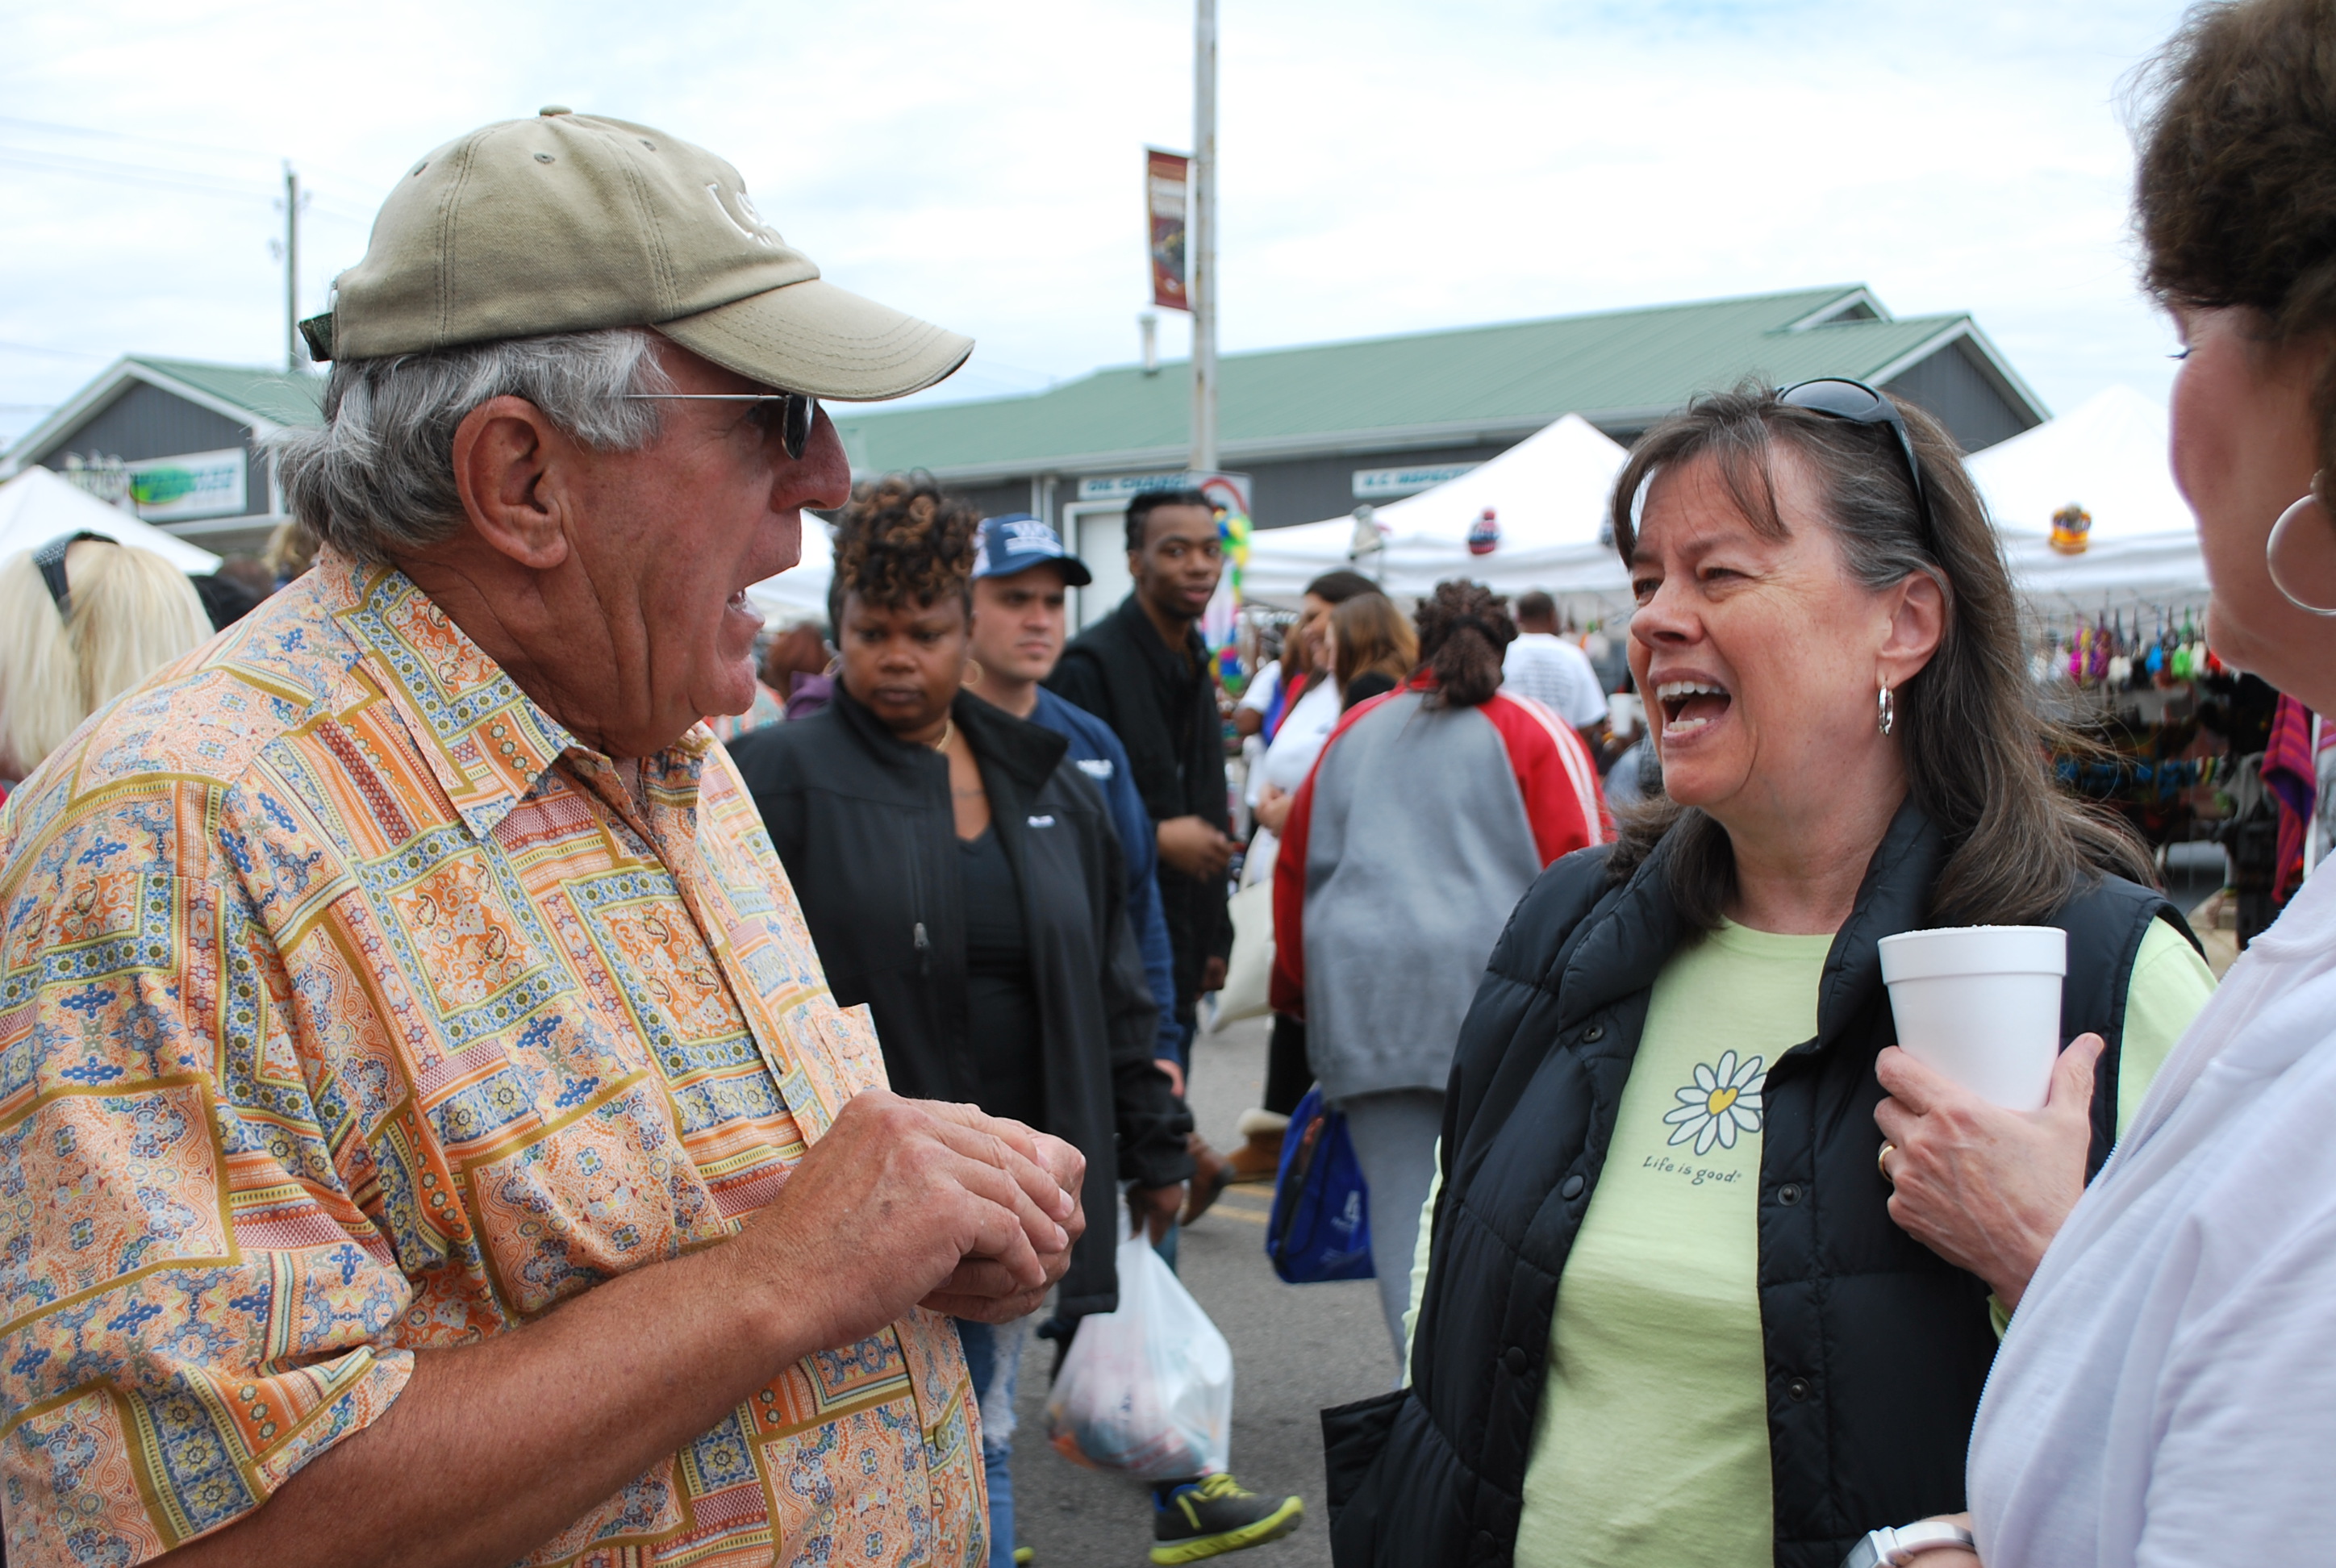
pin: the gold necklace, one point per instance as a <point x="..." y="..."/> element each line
<point x="948" y="728"/>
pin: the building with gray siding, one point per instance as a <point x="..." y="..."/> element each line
<point x="183" y="437"/>
<point x="1322" y="428"/>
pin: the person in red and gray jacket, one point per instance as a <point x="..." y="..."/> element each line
<point x="1430" y="812"/>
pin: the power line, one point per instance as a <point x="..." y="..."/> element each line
<point x="58" y="353"/>
<point x="159" y="177"/>
<point x="173" y="143"/>
<point x="148" y="173"/>
<point x="95" y="133"/>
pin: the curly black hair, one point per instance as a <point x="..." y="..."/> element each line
<point x="904" y="538"/>
<point x="1463" y="630"/>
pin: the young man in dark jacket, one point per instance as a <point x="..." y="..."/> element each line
<point x="1021" y="575"/>
<point x="1143" y="670"/>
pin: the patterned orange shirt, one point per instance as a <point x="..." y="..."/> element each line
<point x="350" y="1007"/>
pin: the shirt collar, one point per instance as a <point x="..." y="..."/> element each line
<point x="487" y="742"/>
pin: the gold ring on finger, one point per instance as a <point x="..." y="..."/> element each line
<point x="1882" y="1161"/>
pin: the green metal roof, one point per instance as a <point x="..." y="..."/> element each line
<point x="1625" y="365"/>
<point x="279" y="396"/>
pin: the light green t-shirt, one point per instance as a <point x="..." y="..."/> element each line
<point x="1650" y="1446"/>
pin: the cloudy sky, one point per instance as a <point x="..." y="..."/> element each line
<point x="1386" y="167"/>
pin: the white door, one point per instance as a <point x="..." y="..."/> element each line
<point x="1096" y="533"/>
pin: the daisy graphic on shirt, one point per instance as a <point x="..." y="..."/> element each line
<point x="1724" y="1099"/>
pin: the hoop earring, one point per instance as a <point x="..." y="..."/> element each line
<point x="972" y="676"/>
<point x="1886" y="716"/>
<point x="2279" y="534"/>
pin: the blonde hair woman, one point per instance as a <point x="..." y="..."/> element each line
<point x="82" y="621"/>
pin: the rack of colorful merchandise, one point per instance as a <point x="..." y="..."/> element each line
<point x="2149" y="705"/>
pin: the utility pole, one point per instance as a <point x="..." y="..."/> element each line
<point x="293" y="359"/>
<point x="1200" y="283"/>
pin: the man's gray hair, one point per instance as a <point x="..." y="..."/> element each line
<point x="376" y="478"/>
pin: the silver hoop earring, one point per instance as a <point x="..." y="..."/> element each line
<point x="1888" y="716"/>
<point x="2278" y="532"/>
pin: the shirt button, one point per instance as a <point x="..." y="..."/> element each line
<point x="1797" y="1389"/>
<point x="1571" y="1186"/>
<point x="1513" y="1358"/>
<point x="1789" y="1193"/>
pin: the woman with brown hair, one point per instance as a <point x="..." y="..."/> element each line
<point x="1672" y="1310"/>
<point x="2166" y="1395"/>
<point x="1373" y="649"/>
<point x="1428" y="813"/>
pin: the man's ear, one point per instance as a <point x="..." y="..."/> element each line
<point x="513" y="468"/>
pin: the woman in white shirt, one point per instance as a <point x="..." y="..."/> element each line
<point x="1309" y="709"/>
<point x="2165" y="1394"/>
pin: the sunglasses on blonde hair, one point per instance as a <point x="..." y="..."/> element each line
<point x="51" y="560"/>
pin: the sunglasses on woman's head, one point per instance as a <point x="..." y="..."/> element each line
<point x="1838" y="397"/>
<point x="788" y="415"/>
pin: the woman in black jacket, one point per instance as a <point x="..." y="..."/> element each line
<point x="964" y="881"/>
<point x="1675" y="1310"/>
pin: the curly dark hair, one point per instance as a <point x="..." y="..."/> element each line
<point x="1463" y="629"/>
<point x="2236" y="195"/>
<point x="903" y="539"/>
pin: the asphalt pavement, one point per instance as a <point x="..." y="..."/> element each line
<point x="1297" y="1348"/>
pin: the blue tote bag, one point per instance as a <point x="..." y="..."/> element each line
<point x="1321" y="1224"/>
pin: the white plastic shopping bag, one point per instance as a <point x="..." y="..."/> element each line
<point x="1147" y="1391"/>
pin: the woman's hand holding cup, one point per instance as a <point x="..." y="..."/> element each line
<point x="1984" y="1187"/>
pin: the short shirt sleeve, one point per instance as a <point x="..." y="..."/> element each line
<point x="2169" y="984"/>
<point x="1259" y="693"/>
<point x="192" y="1303"/>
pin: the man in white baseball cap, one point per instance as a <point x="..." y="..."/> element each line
<point x="438" y="1139"/>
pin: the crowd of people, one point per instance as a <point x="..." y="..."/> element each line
<point x="509" y="1059"/>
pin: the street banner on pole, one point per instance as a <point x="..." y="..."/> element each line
<point x="1166" y="180"/>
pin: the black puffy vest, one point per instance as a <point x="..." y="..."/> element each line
<point x="1877" y="1348"/>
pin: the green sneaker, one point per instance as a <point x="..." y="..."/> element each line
<point x="1202" y="1518"/>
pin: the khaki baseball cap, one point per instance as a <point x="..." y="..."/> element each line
<point x="570" y="222"/>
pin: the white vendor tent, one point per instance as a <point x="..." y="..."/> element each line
<point x="2108" y="455"/>
<point x="36" y="506"/>
<point x="2157" y="571"/>
<point x="803" y="586"/>
<point x="1548" y="493"/>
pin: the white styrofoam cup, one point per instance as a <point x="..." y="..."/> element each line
<point x="1981" y="1004"/>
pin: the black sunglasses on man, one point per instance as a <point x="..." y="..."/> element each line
<point x="788" y="415"/>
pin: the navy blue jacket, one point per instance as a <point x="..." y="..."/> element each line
<point x="1100" y="756"/>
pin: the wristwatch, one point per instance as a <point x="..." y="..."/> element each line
<point x="1901" y="1545"/>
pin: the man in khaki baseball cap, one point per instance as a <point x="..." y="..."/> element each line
<point x="568" y="221"/>
<point x="486" y="1172"/>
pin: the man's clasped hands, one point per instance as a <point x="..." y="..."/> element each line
<point x="916" y="1203"/>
